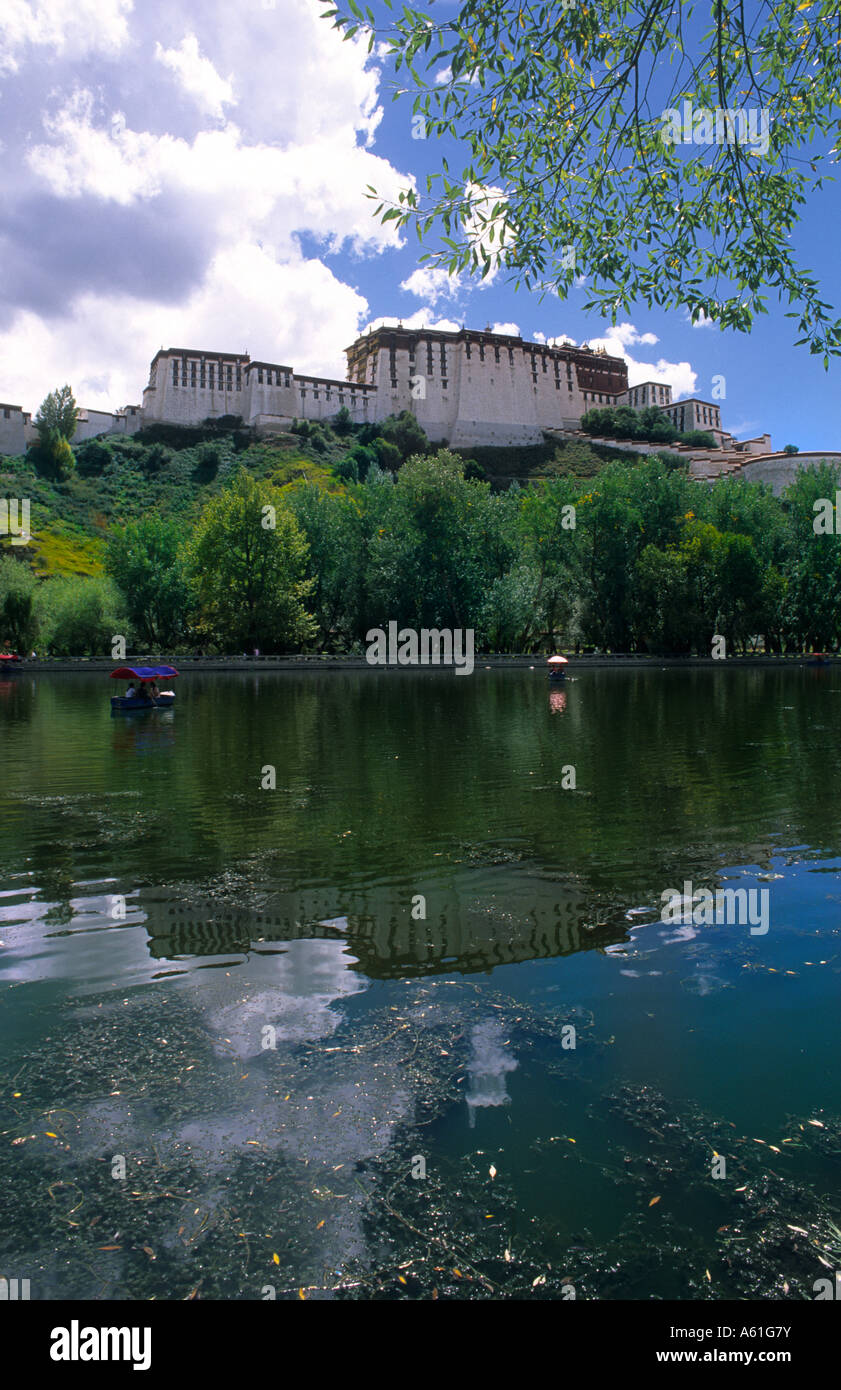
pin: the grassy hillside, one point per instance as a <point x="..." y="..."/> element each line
<point x="173" y="471"/>
<point x="530" y="463"/>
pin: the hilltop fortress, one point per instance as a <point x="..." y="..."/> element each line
<point x="466" y="388"/>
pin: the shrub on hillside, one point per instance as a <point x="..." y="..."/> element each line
<point x="388" y="455"/>
<point x="156" y="457"/>
<point x="698" y="439"/>
<point x="52" y="457"/>
<point x="318" y="439"/>
<point x="342" y="421"/>
<point x="474" y="471"/>
<point x="92" y="458"/>
<point x="208" y="459"/>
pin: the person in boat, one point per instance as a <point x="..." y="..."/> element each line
<point x="153" y="689"/>
<point x="143" y="692"/>
<point x="131" y="692"/>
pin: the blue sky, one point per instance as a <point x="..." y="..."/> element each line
<point x="195" y="176"/>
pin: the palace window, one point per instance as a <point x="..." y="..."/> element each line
<point x="192" y="373"/>
<point x="175" y="373"/>
<point x="230" y="378"/>
<point x="202" y="376"/>
<point x="444" y="384"/>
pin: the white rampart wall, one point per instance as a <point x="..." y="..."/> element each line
<point x="17" y="430"/>
<point x="12" y="430"/>
<point x="91" y="423"/>
<point x="175" y="394"/>
<point x="780" y="470"/>
<point x="319" y="399"/>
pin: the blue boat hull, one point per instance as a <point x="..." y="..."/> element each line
<point x="120" y="703"/>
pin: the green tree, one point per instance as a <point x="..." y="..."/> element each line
<point x="813" y="608"/>
<point x="572" y="118"/>
<point x="79" y="617"/>
<point x="698" y="439"/>
<point x="332" y="526"/>
<point x="343" y="421"/>
<point x="246" y="563"/>
<point x="661" y="601"/>
<point x="389" y="456"/>
<point x="57" y="414"/>
<point x="145" y="559"/>
<point x="18" y="621"/>
<point x="403" y="431"/>
<point x="431" y="551"/>
<point x="53" y="456"/>
<point x="547" y="542"/>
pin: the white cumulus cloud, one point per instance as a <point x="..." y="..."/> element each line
<point x="678" y="375"/>
<point x="432" y="283"/>
<point x="67" y="27"/>
<point x="198" y="76"/>
<point x="422" y="318"/>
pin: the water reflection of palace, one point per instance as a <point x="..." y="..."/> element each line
<point x="465" y="937"/>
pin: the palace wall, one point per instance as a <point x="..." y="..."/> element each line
<point x="780" y="470"/>
<point x="13" y="422"/>
<point x="466" y="388"/>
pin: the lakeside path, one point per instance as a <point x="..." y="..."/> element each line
<point x="317" y="663"/>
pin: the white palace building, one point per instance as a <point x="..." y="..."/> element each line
<point x="466" y="388"/>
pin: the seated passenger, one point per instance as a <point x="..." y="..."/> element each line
<point x="131" y="692"/>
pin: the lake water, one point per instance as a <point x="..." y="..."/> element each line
<point x="408" y="1023"/>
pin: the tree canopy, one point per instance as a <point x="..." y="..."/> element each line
<point x="660" y="149"/>
<point x="246" y="561"/>
<point x="57" y="415"/>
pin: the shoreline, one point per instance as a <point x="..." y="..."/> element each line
<point x="317" y="663"/>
